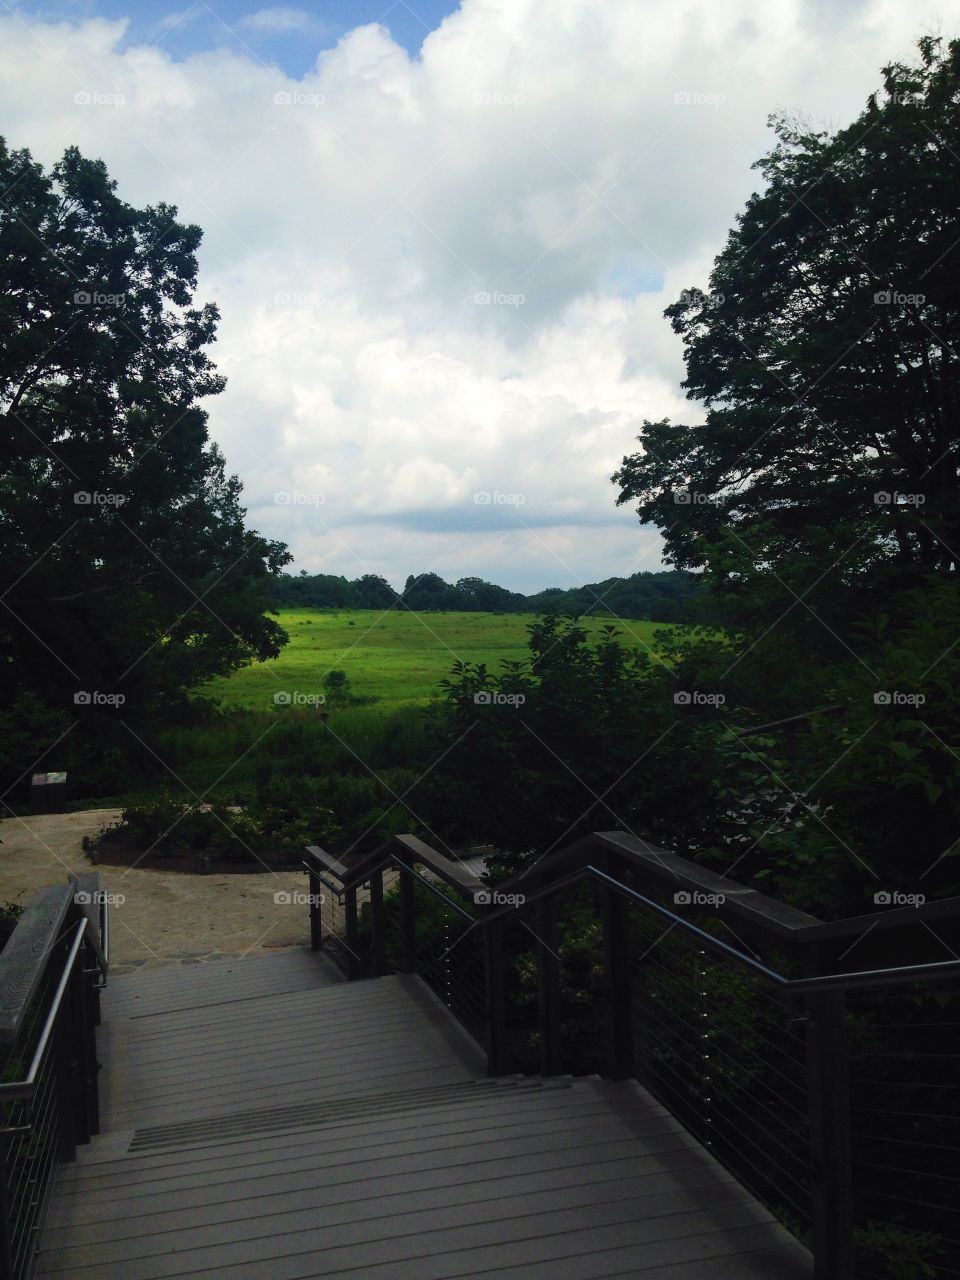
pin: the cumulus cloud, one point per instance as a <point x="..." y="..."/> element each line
<point x="444" y="276"/>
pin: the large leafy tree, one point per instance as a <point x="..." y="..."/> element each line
<point x="127" y="567"/>
<point x="820" y="493"/>
<point x="826" y="353"/>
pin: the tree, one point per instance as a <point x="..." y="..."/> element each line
<point x="129" y="574"/>
<point x="548" y="749"/>
<point x="821" y="495"/>
<point x="374" y="592"/>
<point x="826" y="352"/>
<point x="336" y="688"/>
<point x="429" y="591"/>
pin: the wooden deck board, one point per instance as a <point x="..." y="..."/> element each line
<point x="263" y="1120"/>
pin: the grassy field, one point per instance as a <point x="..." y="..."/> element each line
<point x="396" y="657"/>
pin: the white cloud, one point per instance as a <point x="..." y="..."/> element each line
<point x="279" y="20"/>
<point x="535" y="157"/>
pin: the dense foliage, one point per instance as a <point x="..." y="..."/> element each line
<point x="128" y="573"/>
<point x="819" y="499"/>
<point x="665" y="596"/>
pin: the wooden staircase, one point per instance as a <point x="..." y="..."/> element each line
<point x="264" y="1120"/>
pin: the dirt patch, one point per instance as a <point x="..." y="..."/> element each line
<point x="158" y="915"/>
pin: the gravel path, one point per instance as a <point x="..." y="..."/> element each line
<point x="159" y="917"/>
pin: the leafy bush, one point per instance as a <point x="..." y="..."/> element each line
<point x="10" y="913"/>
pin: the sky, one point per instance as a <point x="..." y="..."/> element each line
<point x="442" y="237"/>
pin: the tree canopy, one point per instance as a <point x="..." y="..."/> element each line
<point x="826" y="353"/>
<point x="128" y="573"/>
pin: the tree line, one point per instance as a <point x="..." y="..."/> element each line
<point x="664" y="596"/>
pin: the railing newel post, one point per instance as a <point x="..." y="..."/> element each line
<point x="378" y="924"/>
<point x="408" y="918"/>
<point x="351" y="934"/>
<point x="79" y="1014"/>
<point x="831" y="1148"/>
<point x="495" y="997"/>
<point x="316" y="910"/>
<point x="64" y="1083"/>
<point x="615" y="918"/>
<point x="549" y="995"/>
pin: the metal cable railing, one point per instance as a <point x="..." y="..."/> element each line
<point x="831" y="1095"/>
<point x="721" y="1049"/>
<point x="53" y="967"/>
<point x="905" y="1108"/>
<point x="450" y="955"/>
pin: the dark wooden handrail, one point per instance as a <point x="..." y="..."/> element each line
<point x="51" y="972"/>
<point x="24" y="959"/>
<point x="627" y="869"/>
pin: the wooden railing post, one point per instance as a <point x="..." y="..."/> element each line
<point x="828" y="1103"/>
<point x="408" y="922"/>
<point x="316" y="910"/>
<point x="64" y="1085"/>
<point x="615" y="917"/>
<point x="495" y="998"/>
<point x="378" y="924"/>
<point x="351" y="933"/>
<point x="78" y="1014"/>
<point x="548" y="987"/>
<point x="91" y="1065"/>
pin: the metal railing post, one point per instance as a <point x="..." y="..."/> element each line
<point x="350" y="933"/>
<point x="87" y="1046"/>
<point x="316" y="911"/>
<point x="64" y="1086"/>
<point x="408" y="922"/>
<point x="77" y="1014"/>
<point x="548" y="987"/>
<point x="378" y="924"/>
<point x="828" y="1102"/>
<point x="495" y="1020"/>
<point x="615" y="917"/>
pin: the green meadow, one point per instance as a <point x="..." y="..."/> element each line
<point x="396" y="657"/>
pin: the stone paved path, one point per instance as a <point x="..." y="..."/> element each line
<point x="159" y="918"/>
